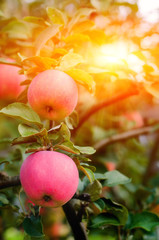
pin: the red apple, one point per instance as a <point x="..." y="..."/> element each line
<point x="49" y="178"/>
<point x="131" y="120"/>
<point x="110" y="166"/>
<point x="53" y="94"/>
<point x="10" y="81"/>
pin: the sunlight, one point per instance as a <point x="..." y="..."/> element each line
<point x="111" y="54"/>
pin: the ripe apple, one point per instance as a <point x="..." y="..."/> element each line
<point x="10" y="81"/>
<point x="131" y="120"/>
<point x="53" y="94"/>
<point x="110" y="166"/>
<point x="49" y="178"/>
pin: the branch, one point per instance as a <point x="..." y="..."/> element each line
<point x="126" y="135"/>
<point x="78" y="229"/>
<point x="130" y="92"/>
<point x="6" y="181"/>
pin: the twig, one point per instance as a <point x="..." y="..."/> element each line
<point x="6" y="181"/>
<point x="78" y="229"/>
<point x="126" y="135"/>
<point x="108" y="102"/>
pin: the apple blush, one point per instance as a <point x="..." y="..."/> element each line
<point x="49" y="178"/>
<point x="53" y="94"/>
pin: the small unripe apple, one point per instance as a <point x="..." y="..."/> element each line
<point x="53" y="94"/>
<point x="10" y="80"/>
<point x="49" y="178"/>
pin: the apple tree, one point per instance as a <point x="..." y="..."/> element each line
<point x="78" y="121"/>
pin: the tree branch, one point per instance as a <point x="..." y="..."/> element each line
<point x="78" y="229"/>
<point x="126" y="135"/>
<point x="6" y="181"/>
<point x="130" y="92"/>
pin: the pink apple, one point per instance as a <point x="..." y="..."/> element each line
<point x="10" y="80"/>
<point x="49" y="178"/>
<point x="53" y="94"/>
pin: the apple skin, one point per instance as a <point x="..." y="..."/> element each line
<point x="49" y="178"/>
<point x="10" y="81"/>
<point x="53" y="94"/>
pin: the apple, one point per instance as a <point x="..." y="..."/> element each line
<point x="110" y="166"/>
<point x="10" y="80"/>
<point x="49" y="178"/>
<point x="131" y="120"/>
<point x="53" y="94"/>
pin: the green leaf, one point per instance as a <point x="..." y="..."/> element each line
<point x="65" y="132"/>
<point x="100" y="204"/>
<point x="22" y="140"/>
<point x="22" y="112"/>
<point x="103" y="219"/>
<point x="113" y="178"/>
<point x="85" y="150"/>
<point x="31" y="138"/>
<point x="72" y="120"/>
<point x="57" y="16"/>
<point x="94" y="189"/>
<point x="27" y="237"/>
<point x="45" y="35"/>
<point x="33" y="226"/>
<point x="145" y="220"/>
<point x="26" y="130"/>
<point x="68" y="147"/>
<point x="92" y="168"/>
<point x="118" y="210"/>
<point x="3" y="199"/>
<point x="88" y="172"/>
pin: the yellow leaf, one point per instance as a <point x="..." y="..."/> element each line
<point x="58" y="52"/>
<point x="77" y="38"/>
<point x="101" y="5"/>
<point x="43" y="62"/>
<point x="70" y="60"/>
<point x="45" y="35"/>
<point x="56" y="16"/>
<point x="97" y="36"/>
<point x="33" y="71"/>
<point x="82" y="78"/>
<point x="81" y="27"/>
<point x="80" y="15"/>
<point x="153" y="89"/>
